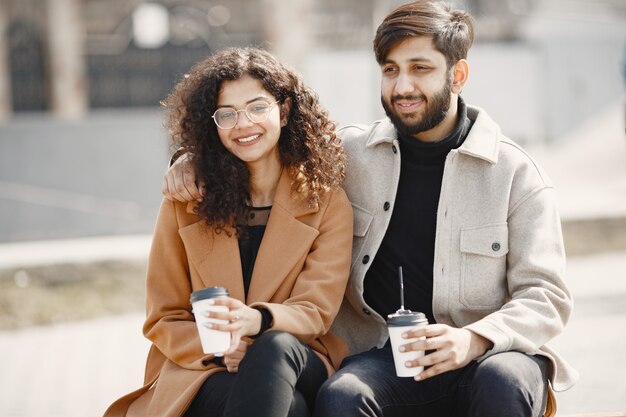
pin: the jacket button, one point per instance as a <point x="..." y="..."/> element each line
<point x="394" y="149"/>
<point x="495" y="246"/>
<point x="366" y="259"/>
<point x="366" y="311"/>
<point x="386" y="205"/>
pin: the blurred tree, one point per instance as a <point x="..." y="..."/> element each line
<point x="68" y="79"/>
<point x="5" y="81"/>
<point x="287" y="30"/>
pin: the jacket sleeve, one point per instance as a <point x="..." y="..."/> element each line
<point x="170" y="324"/>
<point x="319" y="288"/>
<point x="539" y="303"/>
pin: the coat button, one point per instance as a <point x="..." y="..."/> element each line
<point x="386" y="205"/>
<point x="495" y="246"/>
<point x="394" y="149"/>
<point x="366" y="259"/>
<point x="366" y="311"/>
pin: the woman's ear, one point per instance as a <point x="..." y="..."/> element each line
<point x="285" y="108"/>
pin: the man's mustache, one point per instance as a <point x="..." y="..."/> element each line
<point x="411" y="97"/>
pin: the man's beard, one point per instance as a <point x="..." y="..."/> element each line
<point x="436" y="110"/>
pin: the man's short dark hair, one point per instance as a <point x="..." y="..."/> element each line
<point x="452" y="29"/>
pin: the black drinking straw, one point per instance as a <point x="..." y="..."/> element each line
<point x="401" y="288"/>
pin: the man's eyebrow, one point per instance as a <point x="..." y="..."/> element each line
<point x="414" y="59"/>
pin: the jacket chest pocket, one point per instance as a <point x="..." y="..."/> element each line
<point x="483" y="266"/>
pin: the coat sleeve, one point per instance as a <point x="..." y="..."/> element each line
<point x="539" y="303"/>
<point x="319" y="288"/>
<point x="170" y="324"/>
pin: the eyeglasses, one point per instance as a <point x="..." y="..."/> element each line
<point x="257" y="112"/>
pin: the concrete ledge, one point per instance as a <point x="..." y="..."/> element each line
<point x="74" y="251"/>
<point x="606" y="414"/>
<point x="593" y="235"/>
<point x="583" y="236"/>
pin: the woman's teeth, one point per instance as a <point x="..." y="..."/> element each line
<point x="248" y="139"/>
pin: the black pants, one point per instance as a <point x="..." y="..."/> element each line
<point x="279" y="376"/>
<point x="510" y="384"/>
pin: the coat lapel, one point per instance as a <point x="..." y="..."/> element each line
<point x="215" y="256"/>
<point x="285" y="241"/>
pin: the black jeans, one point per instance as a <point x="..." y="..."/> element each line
<point x="279" y="376"/>
<point x="509" y="384"/>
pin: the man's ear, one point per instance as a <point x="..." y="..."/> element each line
<point x="460" y="74"/>
<point x="285" y="108"/>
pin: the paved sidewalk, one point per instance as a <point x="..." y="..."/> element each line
<point x="72" y="369"/>
<point x="594" y="340"/>
<point x="77" y="369"/>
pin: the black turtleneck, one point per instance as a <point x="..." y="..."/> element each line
<point x="410" y="238"/>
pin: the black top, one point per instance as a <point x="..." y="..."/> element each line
<point x="248" y="249"/>
<point x="410" y="238"/>
<point x="249" y="244"/>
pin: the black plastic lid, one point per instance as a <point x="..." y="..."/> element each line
<point x="210" y="292"/>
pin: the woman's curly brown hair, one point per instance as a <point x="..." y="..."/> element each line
<point x="308" y="146"/>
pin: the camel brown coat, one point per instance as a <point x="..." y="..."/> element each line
<point x="300" y="275"/>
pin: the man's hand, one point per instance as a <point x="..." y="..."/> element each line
<point x="232" y="360"/>
<point x="453" y="348"/>
<point x="179" y="182"/>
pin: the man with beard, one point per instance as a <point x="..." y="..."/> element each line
<point x="469" y="216"/>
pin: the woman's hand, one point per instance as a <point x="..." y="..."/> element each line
<point x="242" y="320"/>
<point x="232" y="360"/>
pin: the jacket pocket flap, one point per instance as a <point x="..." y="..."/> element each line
<point x="362" y="220"/>
<point x="491" y="240"/>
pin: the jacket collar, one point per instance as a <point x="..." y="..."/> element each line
<point x="482" y="141"/>
<point x="383" y="132"/>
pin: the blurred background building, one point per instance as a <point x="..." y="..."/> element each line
<point x="82" y="150"/>
<point x="558" y="60"/>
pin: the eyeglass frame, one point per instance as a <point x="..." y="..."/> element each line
<point x="245" y="110"/>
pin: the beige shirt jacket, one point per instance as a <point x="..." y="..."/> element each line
<point x="300" y="275"/>
<point x="499" y="259"/>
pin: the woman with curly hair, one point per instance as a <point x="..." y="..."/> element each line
<point x="273" y="226"/>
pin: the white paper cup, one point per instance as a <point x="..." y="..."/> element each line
<point x="213" y="341"/>
<point x="398" y="323"/>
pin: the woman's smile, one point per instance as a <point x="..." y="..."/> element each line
<point x="248" y="140"/>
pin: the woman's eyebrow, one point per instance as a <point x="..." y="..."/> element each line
<point x="220" y="106"/>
